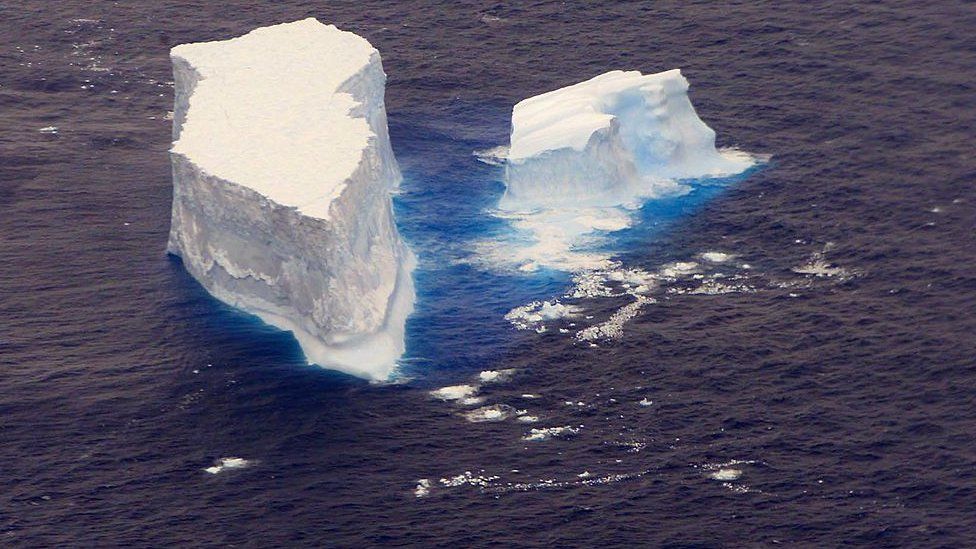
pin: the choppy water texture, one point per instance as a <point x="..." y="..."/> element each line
<point x="815" y="387"/>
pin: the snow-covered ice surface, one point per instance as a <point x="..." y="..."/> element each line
<point x="283" y="173"/>
<point x="608" y="141"/>
<point x="583" y="158"/>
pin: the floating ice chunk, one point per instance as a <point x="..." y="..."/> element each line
<point x="494" y="156"/>
<point x="678" y="269"/>
<point x="282" y="174"/>
<point x="613" y="328"/>
<point x="716" y="257"/>
<point x="470" y="479"/>
<point x="454" y="392"/>
<point x="608" y="141"/>
<point x="546" y="433"/>
<point x="726" y="474"/>
<point x="533" y="315"/>
<point x="224" y="464"/>
<point x="496" y="376"/>
<point x="495" y="412"/>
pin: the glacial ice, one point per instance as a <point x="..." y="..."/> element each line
<point x="609" y="141"/>
<point x="282" y="176"/>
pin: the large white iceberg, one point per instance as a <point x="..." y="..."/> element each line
<point x="282" y="176"/>
<point x="609" y="141"/>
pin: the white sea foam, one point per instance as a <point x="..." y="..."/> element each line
<point x="496" y="376"/>
<point x="613" y="327"/>
<point x="495" y="412"/>
<point x="716" y="257"/>
<point x="726" y="474"/>
<point x="468" y="478"/>
<point x="533" y="316"/>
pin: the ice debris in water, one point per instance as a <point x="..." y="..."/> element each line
<point x="546" y="433"/>
<point x="614" y="326"/>
<point x="818" y="266"/>
<point x="496" y="376"/>
<point x="224" y="464"/>
<point x="454" y="392"/>
<point x="495" y="412"/>
<point x="726" y="474"/>
<point x="422" y="489"/>
<point x="470" y="479"/>
<point x="533" y="315"/>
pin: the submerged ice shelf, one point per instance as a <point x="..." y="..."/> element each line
<point x="282" y="175"/>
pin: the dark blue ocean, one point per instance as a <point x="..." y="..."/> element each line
<point x="817" y="389"/>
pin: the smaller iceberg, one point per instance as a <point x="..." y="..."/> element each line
<point x="610" y="141"/>
<point x="583" y="157"/>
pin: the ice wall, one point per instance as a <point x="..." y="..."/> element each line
<point x="608" y="141"/>
<point x="282" y="180"/>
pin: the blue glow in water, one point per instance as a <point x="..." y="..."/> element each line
<point x="444" y="209"/>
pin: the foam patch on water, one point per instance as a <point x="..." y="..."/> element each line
<point x="546" y="433"/>
<point x="613" y="328"/>
<point x="726" y="474"/>
<point x="496" y="376"/>
<point x="227" y="463"/>
<point x="729" y="473"/>
<point x="583" y="479"/>
<point x="819" y="266"/>
<point x="455" y="392"/>
<point x="534" y="315"/>
<point x="716" y="257"/>
<point x="468" y="478"/>
<point x="494" y="412"/>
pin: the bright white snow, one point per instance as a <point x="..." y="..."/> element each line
<point x="282" y="171"/>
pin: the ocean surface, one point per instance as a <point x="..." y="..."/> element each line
<point x="804" y="373"/>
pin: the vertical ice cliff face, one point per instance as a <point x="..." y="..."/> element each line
<point x="608" y="141"/>
<point x="282" y="175"/>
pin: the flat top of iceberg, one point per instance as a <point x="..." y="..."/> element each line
<point x="567" y="117"/>
<point x="268" y="112"/>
